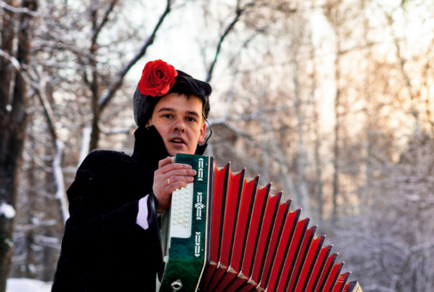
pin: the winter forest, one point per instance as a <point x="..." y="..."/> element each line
<point x="330" y="100"/>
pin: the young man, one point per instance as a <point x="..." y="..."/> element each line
<point x="111" y="240"/>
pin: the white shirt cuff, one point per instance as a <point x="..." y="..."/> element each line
<point x="142" y="215"/>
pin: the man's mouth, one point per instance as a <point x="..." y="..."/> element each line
<point x="177" y="141"/>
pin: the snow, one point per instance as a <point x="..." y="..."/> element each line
<point x="85" y="143"/>
<point x="7" y="210"/>
<point x="27" y="285"/>
<point x="58" y="177"/>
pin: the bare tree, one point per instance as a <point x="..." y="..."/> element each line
<point x="13" y="119"/>
<point x="272" y="78"/>
<point x="100" y="101"/>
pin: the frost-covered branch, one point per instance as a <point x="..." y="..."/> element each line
<point x="48" y="111"/>
<point x="17" y="10"/>
<point x="85" y="142"/>
<point x="10" y="58"/>
<point x="114" y="131"/>
<point x="60" y="183"/>
<point x="58" y="146"/>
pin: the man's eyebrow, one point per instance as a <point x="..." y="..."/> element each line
<point x="169" y="109"/>
<point x="193" y="113"/>
<point x="166" y="109"/>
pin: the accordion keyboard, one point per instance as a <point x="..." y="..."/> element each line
<point x="180" y="221"/>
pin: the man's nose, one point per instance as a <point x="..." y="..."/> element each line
<point x="179" y="125"/>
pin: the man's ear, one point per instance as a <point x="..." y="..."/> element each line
<point x="202" y="133"/>
<point x="149" y="123"/>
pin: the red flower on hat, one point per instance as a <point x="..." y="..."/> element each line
<point x="158" y="78"/>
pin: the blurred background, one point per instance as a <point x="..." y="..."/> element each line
<point x="331" y="101"/>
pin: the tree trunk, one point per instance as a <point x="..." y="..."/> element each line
<point x="94" y="85"/>
<point x="301" y="157"/>
<point x="12" y="136"/>
<point x="316" y="128"/>
<point x="31" y="204"/>
<point x="336" y="149"/>
<point x="6" y="73"/>
<point x="53" y="207"/>
<point x="94" y="136"/>
<point x="337" y="130"/>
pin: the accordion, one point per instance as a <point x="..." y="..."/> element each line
<point x="225" y="233"/>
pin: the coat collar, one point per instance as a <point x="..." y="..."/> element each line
<point x="149" y="147"/>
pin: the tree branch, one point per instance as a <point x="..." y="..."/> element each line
<point x="248" y="117"/>
<point x="48" y="111"/>
<point x="11" y="59"/>
<point x="239" y="11"/>
<point x="103" y="101"/>
<point x="105" y="18"/>
<point x="58" y="145"/>
<point x="17" y="10"/>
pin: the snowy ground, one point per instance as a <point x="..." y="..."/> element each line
<point x="27" y="285"/>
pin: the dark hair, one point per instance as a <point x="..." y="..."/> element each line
<point x="183" y="87"/>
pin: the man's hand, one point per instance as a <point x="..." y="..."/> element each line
<point x="167" y="178"/>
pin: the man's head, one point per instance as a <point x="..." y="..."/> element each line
<point x="178" y="118"/>
<point x="175" y="103"/>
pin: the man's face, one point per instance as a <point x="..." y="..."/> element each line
<point x="179" y="121"/>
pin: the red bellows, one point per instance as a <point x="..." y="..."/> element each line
<point x="258" y="244"/>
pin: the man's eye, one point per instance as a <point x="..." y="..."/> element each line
<point x="167" y="116"/>
<point x="191" y="119"/>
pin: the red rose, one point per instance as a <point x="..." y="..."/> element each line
<point x="158" y="78"/>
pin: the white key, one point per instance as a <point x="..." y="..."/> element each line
<point x="180" y="222"/>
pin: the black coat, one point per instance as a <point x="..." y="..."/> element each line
<point x="103" y="249"/>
